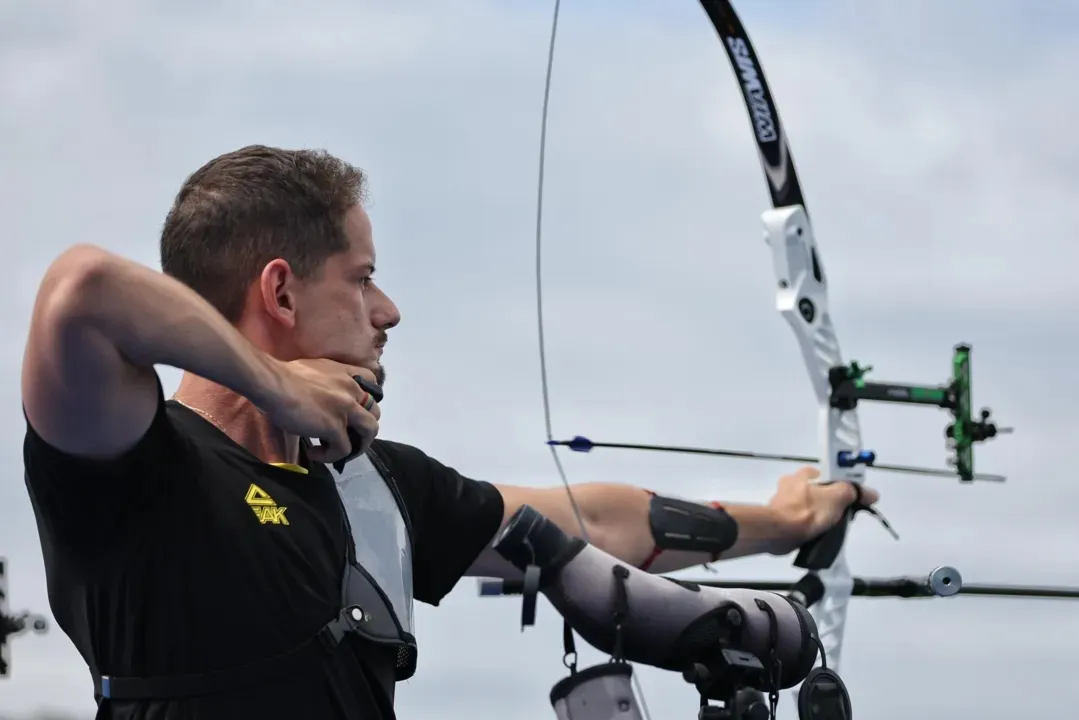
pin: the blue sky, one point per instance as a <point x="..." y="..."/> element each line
<point x="935" y="142"/>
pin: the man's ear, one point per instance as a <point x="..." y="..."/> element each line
<point x="277" y="289"/>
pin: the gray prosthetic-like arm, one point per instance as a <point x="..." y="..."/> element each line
<point x="654" y="620"/>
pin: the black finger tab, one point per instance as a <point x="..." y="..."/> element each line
<point x="369" y="387"/>
<point x="354" y="438"/>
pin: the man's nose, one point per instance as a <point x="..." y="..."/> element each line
<point x="387" y="315"/>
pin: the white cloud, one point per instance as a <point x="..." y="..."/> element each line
<point x="936" y="149"/>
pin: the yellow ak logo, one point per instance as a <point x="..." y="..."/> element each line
<point x="265" y="509"/>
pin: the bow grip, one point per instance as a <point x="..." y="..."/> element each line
<point x="820" y="552"/>
<point x="354" y="439"/>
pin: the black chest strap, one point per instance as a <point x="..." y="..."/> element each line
<point x="283" y="666"/>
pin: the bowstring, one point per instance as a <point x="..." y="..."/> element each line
<point x="545" y="387"/>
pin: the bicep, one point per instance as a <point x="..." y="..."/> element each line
<point x="551" y="502"/>
<point x="79" y="393"/>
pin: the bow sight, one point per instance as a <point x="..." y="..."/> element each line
<point x="849" y="386"/>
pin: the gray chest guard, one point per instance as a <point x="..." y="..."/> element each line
<point x="377" y="588"/>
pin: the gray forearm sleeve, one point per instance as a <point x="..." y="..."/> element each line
<point x="656" y="620"/>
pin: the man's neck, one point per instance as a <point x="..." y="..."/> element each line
<point x="234" y="415"/>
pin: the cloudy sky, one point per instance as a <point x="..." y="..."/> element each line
<point x="935" y="141"/>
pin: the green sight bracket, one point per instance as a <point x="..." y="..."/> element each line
<point x="849" y="386"/>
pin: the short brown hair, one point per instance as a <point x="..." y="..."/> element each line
<point x="245" y="208"/>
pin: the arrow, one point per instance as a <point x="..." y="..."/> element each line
<point x="582" y="444"/>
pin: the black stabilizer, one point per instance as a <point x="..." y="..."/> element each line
<point x="808" y="591"/>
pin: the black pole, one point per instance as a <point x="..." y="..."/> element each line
<point x="901" y="587"/>
<point x="907" y="588"/>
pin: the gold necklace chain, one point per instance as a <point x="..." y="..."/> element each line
<point x="214" y="421"/>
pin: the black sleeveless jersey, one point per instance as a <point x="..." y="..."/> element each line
<point x="189" y="554"/>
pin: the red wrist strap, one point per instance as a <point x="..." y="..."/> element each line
<point x="656" y="552"/>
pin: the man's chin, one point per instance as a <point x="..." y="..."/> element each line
<point x="376" y="367"/>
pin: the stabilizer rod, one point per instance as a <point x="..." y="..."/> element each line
<point x="941" y="582"/>
<point x="911" y="588"/>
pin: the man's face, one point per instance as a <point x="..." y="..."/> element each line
<point x="340" y="313"/>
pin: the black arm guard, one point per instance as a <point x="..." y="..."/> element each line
<point x="683" y="525"/>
